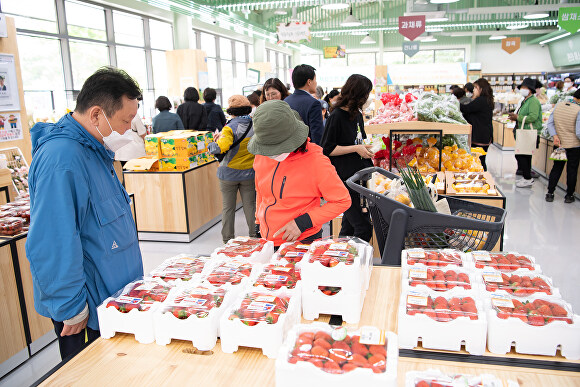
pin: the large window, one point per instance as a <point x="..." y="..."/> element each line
<point x="425" y="56"/>
<point x="93" y="36"/>
<point x="362" y="59"/>
<point x="393" y="57"/>
<point x="449" y="56"/>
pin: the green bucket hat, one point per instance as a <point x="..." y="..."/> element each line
<point x="277" y="129"/>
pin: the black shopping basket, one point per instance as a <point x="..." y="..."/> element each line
<point x="471" y="226"/>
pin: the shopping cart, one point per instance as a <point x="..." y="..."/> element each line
<point x="472" y="226"/>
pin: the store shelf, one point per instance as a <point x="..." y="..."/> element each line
<point x="503" y="136"/>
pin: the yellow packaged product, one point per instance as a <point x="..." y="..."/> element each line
<point x="167" y="164"/>
<point x="152" y="144"/>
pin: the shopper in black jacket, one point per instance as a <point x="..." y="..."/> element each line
<point x="479" y="114"/>
<point x="216" y="118"/>
<point x="192" y="114"/>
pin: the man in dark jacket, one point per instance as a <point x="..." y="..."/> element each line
<point x="216" y="118"/>
<point x="309" y="108"/>
<point x="192" y="114"/>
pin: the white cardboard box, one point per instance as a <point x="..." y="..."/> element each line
<point x="261" y="256"/>
<point x="419" y="272"/>
<point x="484" y="380"/>
<point x="346" y="304"/>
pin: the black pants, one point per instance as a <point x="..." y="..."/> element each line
<point x="354" y="221"/>
<point x="482" y="158"/>
<point x="573" y="155"/>
<point x="73" y="344"/>
<point x="525" y="161"/>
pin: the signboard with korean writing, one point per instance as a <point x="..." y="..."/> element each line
<point x="294" y="32"/>
<point x="410" y="48"/>
<point x="427" y="74"/>
<point x="511" y="45"/>
<point x="565" y="52"/>
<point x="569" y="19"/>
<point x="335" y="52"/>
<point x="411" y="27"/>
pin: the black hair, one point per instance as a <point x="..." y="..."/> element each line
<point x="191" y="94"/>
<point x="302" y="148"/>
<point x="239" y="111"/>
<point x="577" y="94"/>
<point x="274" y="83"/>
<point x="209" y="95"/>
<point x="458" y="93"/>
<point x="162" y="103"/>
<point x="468" y="87"/>
<point x="258" y="92"/>
<point x="486" y="91"/>
<point x="301" y="74"/>
<point x="354" y="94"/>
<point x="453" y="87"/>
<point x="254" y="99"/>
<point x="106" y="88"/>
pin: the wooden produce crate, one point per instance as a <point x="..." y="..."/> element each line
<point x="451" y="178"/>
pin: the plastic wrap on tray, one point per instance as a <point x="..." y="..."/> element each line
<point x="197" y="301"/>
<point x="502" y="261"/>
<point x="440" y="258"/>
<point x="533" y="311"/>
<point x="242" y="247"/>
<point x="232" y="272"/>
<point x="275" y="276"/>
<point x="437" y="279"/>
<point x="520" y="285"/>
<point x="435" y="378"/>
<point x="331" y="252"/>
<point x="182" y="267"/>
<point x="11" y="226"/>
<point x="292" y="252"/>
<point x="442" y="309"/>
<point x="261" y="307"/>
<point x="140" y="295"/>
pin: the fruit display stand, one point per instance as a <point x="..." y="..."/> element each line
<point x="503" y="135"/>
<point x="175" y="206"/>
<point x="542" y="164"/>
<point x="121" y="360"/>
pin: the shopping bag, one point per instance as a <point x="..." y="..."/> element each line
<point x="559" y="154"/>
<point x="526" y="140"/>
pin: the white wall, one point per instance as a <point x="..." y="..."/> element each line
<point x="529" y="58"/>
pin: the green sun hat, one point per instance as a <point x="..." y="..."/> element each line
<point x="277" y="129"/>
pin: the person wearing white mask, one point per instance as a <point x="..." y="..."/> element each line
<point x="569" y="85"/>
<point x="82" y="244"/>
<point x="531" y="111"/>
<point x="136" y="148"/>
<point x="468" y="88"/>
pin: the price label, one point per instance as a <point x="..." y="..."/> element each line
<point x="200" y="145"/>
<point x="372" y="336"/>
<point x="233" y="264"/>
<point x="291" y="254"/>
<point x="128" y="300"/>
<point x="418" y="273"/>
<point x="481" y="255"/>
<point x="192" y="302"/>
<point x="282" y="268"/>
<point x="334" y="253"/>
<point x="275" y="278"/>
<point x="265" y="298"/>
<point x="492" y="277"/>
<point x="264" y="307"/>
<point x="339" y="333"/>
<point x="415" y="298"/>
<point x="303" y="247"/>
<point x="501" y="301"/>
<point x="416" y="253"/>
<point x="338" y="246"/>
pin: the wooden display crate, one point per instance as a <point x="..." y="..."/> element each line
<point x="450" y="180"/>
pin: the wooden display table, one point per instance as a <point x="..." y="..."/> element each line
<point x="175" y="206"/>
<point x="503" y="135"/>
<point x="123" y="361"/>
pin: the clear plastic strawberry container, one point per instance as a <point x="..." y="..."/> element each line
<point x="521" y="283"/>
<point x="140" y="295"/>
<point x="261" y="307"/>
<point x="276" y="276"/>
<point x="197" y="301"/>
<point x="440" y="308"/>
<point x="440" y="258"/>
<point x="503" y="261"/>
<point x="11" y="226"/>
<point x="251" y="249"/>
<point x="320" y="355"/>
<point x="532" y="311"/>
<point x="334" y="251"/>
<point x="182" y="267"/>
<point x="436" y="378"/>
<point x="292" y="252"/>
<point x="232" y="272"/>
<point x="23" y="212"/>
<point x="441" y="280"/>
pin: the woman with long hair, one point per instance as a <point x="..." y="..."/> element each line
<point x="273" y="89"/>
<point x="343" y="144"/>
<point x="479" y="113"/>
<point x="192" y="113"/>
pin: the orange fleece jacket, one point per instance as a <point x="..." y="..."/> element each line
<point x="293" y="187"/>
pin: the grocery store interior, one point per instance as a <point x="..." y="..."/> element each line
<point x="472" y="126"/>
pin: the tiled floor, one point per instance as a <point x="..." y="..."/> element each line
<point x="547" y="231"/>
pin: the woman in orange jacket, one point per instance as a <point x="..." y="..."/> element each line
<point x="292" y="175"/>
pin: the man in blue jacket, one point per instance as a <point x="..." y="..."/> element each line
<point x="82" y="244"/>
<point x="309" y="108"/>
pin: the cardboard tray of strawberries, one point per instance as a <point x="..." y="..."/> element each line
<point x="444" y="279"/>
<point x="538" y="325"/>
<point x="319" y="355"/>
<point x="519" y="283"/>
<point x="433" y="258"/>
<point x="442" y="321"/>
<point x="260" y="318"/>
<point x="436" y="378"/>
<point x="182" y="268"/>
<point x="131" y="309"/>
<point x="192" y="312"/>
<point x="256" y="250"/>
<point x="502" y="261"/>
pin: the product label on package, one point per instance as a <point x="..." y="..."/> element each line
<point x="481" y="255"/>
<point x="264" y="307"/>
<point x="242" y="239"/>
<point x="191" y="302"/>
<point x="339" y="246"/>
<point x="416" y="253"/>
<point x="416" y="298"/>
<point x="334" y="253"/>
<point x="490" y="276"/>
<point x="339" y="333"/>
<point x="418" y="273"/>
<point x="291" y="254"/>
<point x="227" y="270"/>
<point x="275" y="278"/>
<point x="282" y="268"/>
<point x="265" y="299"/>
<point x="128" y="300"/>
<point x="501" y="301"/>
<point x="233" y="264"/>
<point x="372" y="336"/>
<point x="302" y="247"/>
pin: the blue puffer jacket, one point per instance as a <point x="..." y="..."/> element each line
<point x="82" y="244"/>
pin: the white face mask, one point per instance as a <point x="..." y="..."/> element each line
<point x="469" y="95"/>
<point x="115" y="141"/>
<point x="280" y="158"/>
<point x="567" y="85"/>
<point x="524" y="92"/>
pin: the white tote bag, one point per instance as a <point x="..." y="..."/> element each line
<point x="526" y="140"/>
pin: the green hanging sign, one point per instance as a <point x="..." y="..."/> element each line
<point x="569" y="19"/>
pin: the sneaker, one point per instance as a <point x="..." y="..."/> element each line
<point x="569" y="199"/>
<point x="519" y="172"/>
<point x="534" y="175"/>
<point x="524" y="183"/>
<point x="549" y="197"/>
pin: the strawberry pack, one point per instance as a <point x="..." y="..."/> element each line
<point x="232" y="272"/>
<point x="131" y="309"/>
<point x="318" y="354"/>
<point x="193" y="313"/>
<point x="445" y="279"/>
<point x="436" y="378"/>
<point x="180" y="268"/>
<point x="260" y="319"/>
<point x="442" y="321"/>
<point x="537" y="324"/>
<point x="245" y="248"/>
<point x="432" y="258"/>
<point x="520" y="283"/>
<point x="278" y="275"/>
<point x="292" y="252"/>
<point x="506" y="262"/>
